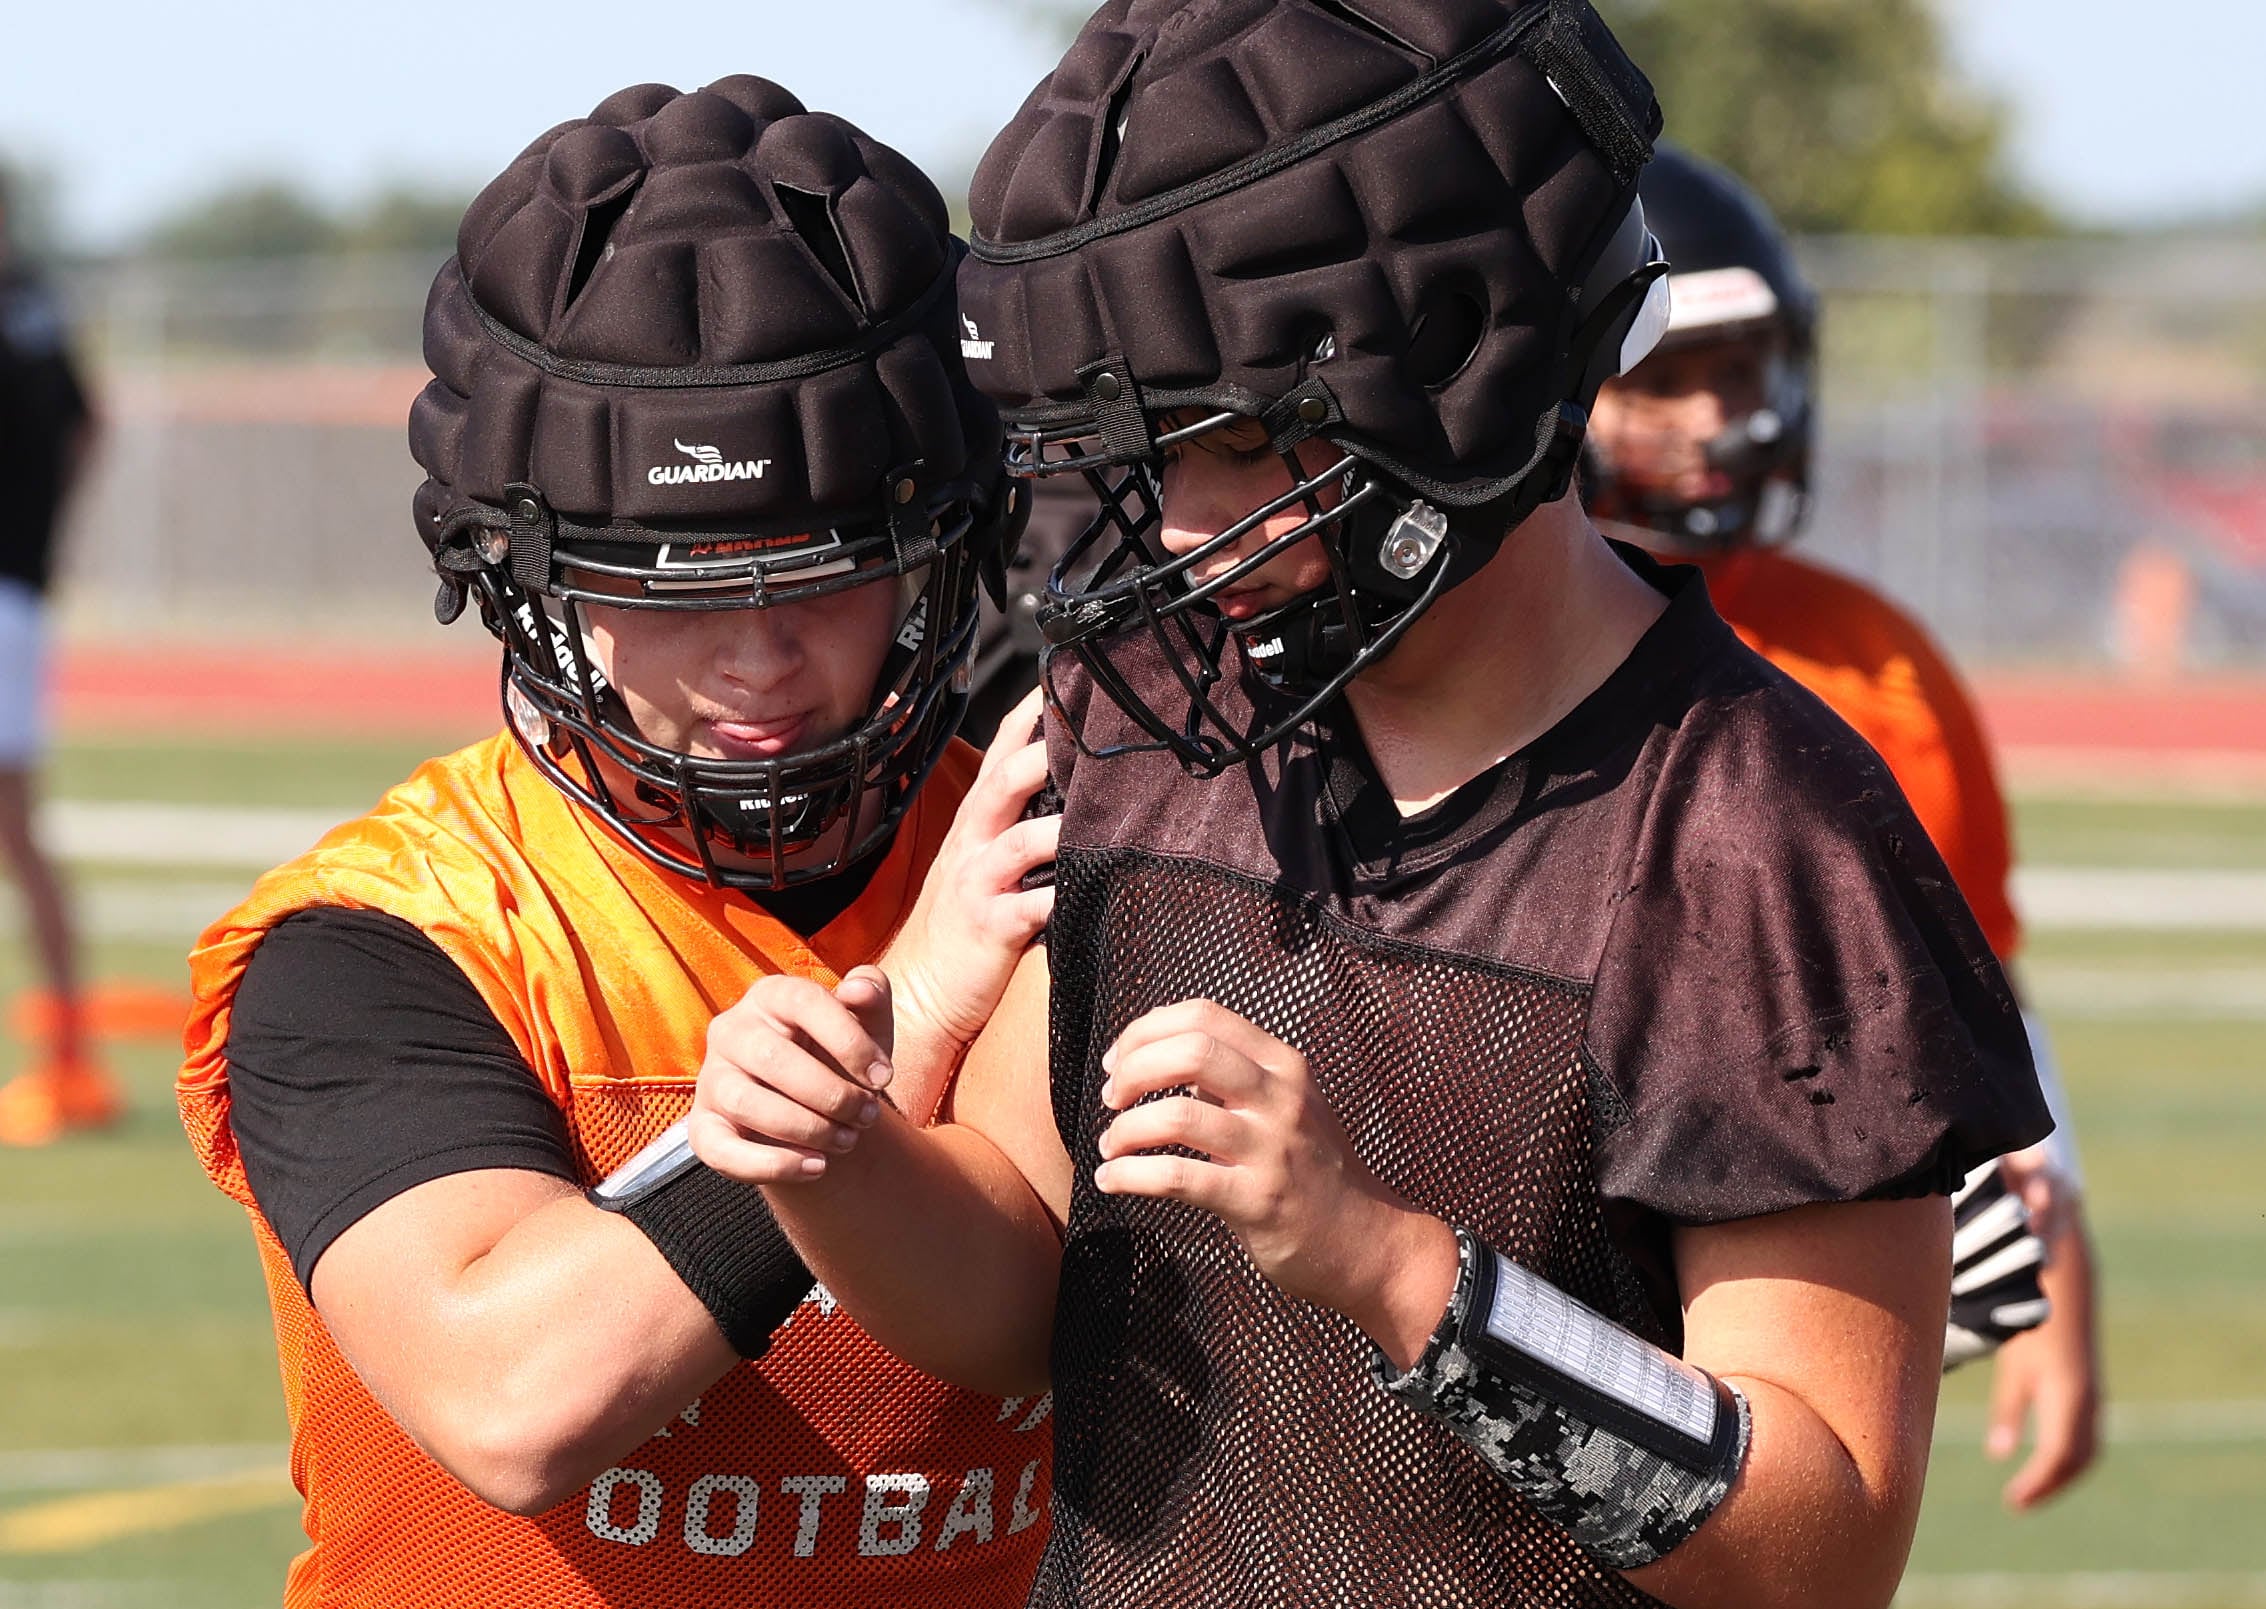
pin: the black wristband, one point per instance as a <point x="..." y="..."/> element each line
<point x="721" y="1239"/>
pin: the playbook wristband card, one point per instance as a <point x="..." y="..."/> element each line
<point x="666" y="1157"/>
<point x="1536" y="1335"/>
<point x="1626" y="1448"/>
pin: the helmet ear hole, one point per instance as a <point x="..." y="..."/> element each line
<point x="812" y="216"/>
<point x="598" y="225"/>
<point x="1445" y="336"/>
<point x="1113" y="131"/>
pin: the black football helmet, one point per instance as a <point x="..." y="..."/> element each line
<point x="1733" y="278"/>
<point x="699" y="352"/>
<point x="1403" y="229"/>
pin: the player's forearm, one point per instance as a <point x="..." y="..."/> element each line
<point x="926" y="1050"/>
<point x="938" y="1247"/>
<point x="1829" y="1320"/>
<point x="1805" y="1526"/>
<point x="565" y="1346"/>
<point x="1747" y="1472"/>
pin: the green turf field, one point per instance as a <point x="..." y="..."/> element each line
<point x="141" y="1431"/>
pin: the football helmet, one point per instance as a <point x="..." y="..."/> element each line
<point x="1734" y="280"/>
<point x="1401" y="231"/>
<point x="701" y="352"/>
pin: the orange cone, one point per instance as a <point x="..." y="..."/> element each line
<point x="119" y="1008"/>
<point x="55" y="1098"/>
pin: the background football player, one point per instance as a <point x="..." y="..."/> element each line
<point x="1510" y="1045"/>
<point x="701" y="451"/>
<point x="47" y="430"/>
<point x="1703" y="452"/>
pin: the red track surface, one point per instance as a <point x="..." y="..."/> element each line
<point x="302" y="693"/>
<point x="2053" y="721"/>
<point x="2195" y="715"/>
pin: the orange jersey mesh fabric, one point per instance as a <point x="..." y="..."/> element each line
<point x="828" y="1473"/>
<point x="1879" y="670"/>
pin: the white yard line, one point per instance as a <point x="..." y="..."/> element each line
<point x="78" y="1469"/>
<point x="2130" y="898"/>
<point x="2086" y="1589"/>
<point x="2207" y="992"/>
<point x="118" y="833"/>
<point x="83" y="1595"/>
<point x="2144" y="1424"/>
<point x="151" y="913"/>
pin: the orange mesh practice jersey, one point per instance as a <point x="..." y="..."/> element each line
<point x="1879" y="671"/>
<point x="826" y="1474"/>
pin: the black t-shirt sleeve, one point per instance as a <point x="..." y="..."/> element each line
<point x="362" y="1063"/>
<point x="1795" y="1005"/>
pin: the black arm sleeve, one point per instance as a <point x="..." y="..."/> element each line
<point x="363" y="1063"/>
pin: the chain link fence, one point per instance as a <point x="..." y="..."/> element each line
<point x="2055" y="452"/>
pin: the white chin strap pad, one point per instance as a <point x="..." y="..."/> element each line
<point x="1649" y="326"/>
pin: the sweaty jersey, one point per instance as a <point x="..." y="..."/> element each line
<point x="1880" y="671"/>
<point x="1686" y="958"/>
<point x="828" y="1473"/>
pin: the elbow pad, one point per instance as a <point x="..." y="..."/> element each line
<point x="1623" y="1446"/>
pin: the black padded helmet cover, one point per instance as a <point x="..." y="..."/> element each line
<point x="712" y="309"/>
<point x="701" y="351"/>
<point x="1217" y="191"/>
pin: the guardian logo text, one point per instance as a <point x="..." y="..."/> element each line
<point x="708" y="464"/>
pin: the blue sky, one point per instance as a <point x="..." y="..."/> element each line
<point x="2127" y="114"/>
<point x="136" y="103"/>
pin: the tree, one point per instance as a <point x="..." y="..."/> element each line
<point x="27" y="209"/>
<point x="1847" y="115"/>
<point x="257" y="218"/>
<point x="413" y="222"/>
<point x="269" y="219"/>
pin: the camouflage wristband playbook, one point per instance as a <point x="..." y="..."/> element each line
<point x="1623" y="1446"/>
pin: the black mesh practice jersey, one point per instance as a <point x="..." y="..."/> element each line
<point x="1686" y="958"/>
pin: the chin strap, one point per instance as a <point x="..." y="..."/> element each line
<point x="1392" y="557"/>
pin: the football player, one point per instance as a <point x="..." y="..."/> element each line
<point x="1510" y="1046"/>
<point x="1703" y="452"/>
<point x="701" y="451"/>
<point x="47" y="431"/>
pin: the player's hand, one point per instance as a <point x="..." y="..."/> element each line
<point x="974" y="918"/>
<point x="1276" y="1164"/>
<point x="2048" y="1380"/>
<point x="795" y="1073"/>
<point x="2045" y="1194"/>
